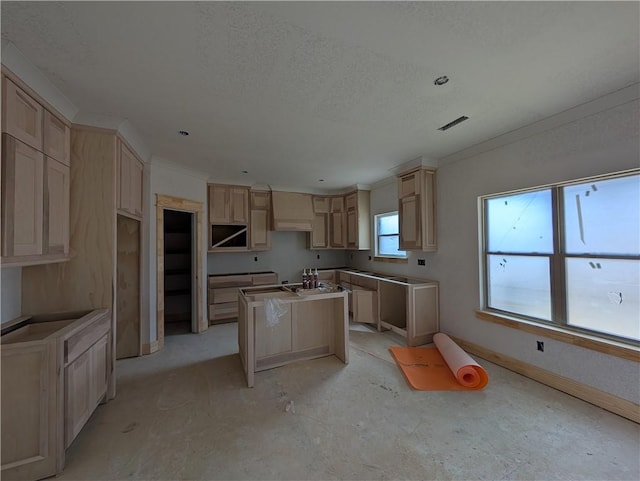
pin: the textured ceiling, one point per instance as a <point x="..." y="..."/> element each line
<point x="296" y="92"/>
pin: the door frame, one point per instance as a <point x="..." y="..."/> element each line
<point x="194" y="207"/>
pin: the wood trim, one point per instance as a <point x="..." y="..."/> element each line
<point x="94" y="129"/>
<point x="609" y="402"/>
<point x="149" y="347"/>
<point x="185" y="205"/>
<point x="605" y="346"/>
<point x="394" y="260"/>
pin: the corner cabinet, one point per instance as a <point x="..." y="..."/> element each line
<point x="417" y="210"/>
<point x="36" y="180"/>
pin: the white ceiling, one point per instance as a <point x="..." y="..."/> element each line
<point x="294" y="92"/>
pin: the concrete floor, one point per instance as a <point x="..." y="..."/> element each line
<point x="185" y="413"/>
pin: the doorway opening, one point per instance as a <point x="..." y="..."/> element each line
<point x="166" y="204"/>
<point x="178" y="272"/>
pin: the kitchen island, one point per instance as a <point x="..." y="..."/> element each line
<point x="281" y="324"/>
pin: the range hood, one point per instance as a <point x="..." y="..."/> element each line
<point x="291" y="211"/>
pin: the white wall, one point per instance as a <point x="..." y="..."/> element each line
<point x="604" y="142"/>
<point x="288" y="256"/>
<point x="11" y="288"/>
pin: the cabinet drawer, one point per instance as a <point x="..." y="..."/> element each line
<point x="81" y="341"/>
<point x="240" y="280"/>
<point x="366" y="282"/>
<point x="265" y="279"/>
<point x="225" y="295"/>
<point x="344" y="277"/>
<point x="223" y="311"/>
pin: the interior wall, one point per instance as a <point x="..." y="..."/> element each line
<point x="288" y="256"/>
<point x="11" y="289"/>
<point x="605" y="142"/>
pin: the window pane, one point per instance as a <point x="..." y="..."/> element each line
<point x="388" y="224"/>
<point x="520" y="284"/>
<point x="602" y="217"/>
<point x="602" y="295"/>
<point x="520" y="223"/>
<point x="388" y="246"/>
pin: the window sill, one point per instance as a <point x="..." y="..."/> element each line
<point x="396" y="260"/>
<point x="605" y="346"/>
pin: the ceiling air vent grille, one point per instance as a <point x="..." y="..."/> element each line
<point x="454" y="123"/>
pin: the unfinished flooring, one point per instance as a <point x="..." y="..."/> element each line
<point x="186" y="413"/>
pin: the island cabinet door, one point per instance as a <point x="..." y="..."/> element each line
<point x="364" y="305"/>
<point x="272" y="338"/>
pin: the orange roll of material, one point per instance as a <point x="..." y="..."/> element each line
<point x="466" y="371"/>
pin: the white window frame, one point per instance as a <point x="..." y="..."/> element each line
<point x="377" y="236"/>
<point x="557" y="262"/>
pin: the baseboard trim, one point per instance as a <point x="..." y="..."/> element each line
<point x="149" y="347"/>
<point x="610" y="402"/>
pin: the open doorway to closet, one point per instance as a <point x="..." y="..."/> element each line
<point x="179" y="252"/>
<point x="178" y="272"/>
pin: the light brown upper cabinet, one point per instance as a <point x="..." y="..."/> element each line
<point x="358" y="220"/>
<point x="57" y="138"/>
<point x="130" y="172"/>
<point x="319" y="235"/>
<point x="36" y="180"/>
<point x="22" y="115"/>
<point x="417" y="209"/>
<point x="228" y="204"/>
<point x="56" y="207"/>
<point x="22" y="200"/>
<point x="260" y="221"/>
<point x="337" y="221"/>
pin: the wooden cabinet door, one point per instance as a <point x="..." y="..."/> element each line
<point x="352" y="229"/>
<point x="338" y="238"/>
<point x="239" y="205"/>
<point x="319" y="231"/>
<point x="78" y="396"/>
<point x="29" y="410"/>
<point x="129" y="191"/>
<point x="260" y="238"/>
<point x="22" y="116"/>
<point x="99" y="353"/>
<point x="364" y="305"/>
<point x="57" y="207"/>
<point x="260" y="221"/>
<point x="219" y="204"/>
<point x="409" y="219"/>
<point x="22" y="199"/>
<point x="57" y="138"/>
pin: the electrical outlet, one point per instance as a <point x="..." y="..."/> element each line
<point x="421" y="262"/>
<point x="318" y="256"/>
<point x="255" y="259"/>
<point x="285" y="282"/>
<point x="369" y="257"/>
<point x="351" y="256"/>
<point x="540" y="345"/>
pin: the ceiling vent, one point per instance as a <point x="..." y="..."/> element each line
<point x="454" y="123"/>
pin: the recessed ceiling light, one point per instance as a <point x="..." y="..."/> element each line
<point x="245" y="171"/>
<point x="183" y="132"/>
<point x="321" y="180"/>
<point x="441" y="80"/>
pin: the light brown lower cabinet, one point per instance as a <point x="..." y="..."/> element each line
<point x="55" y="371"/>
<point x="404" y="305"/>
